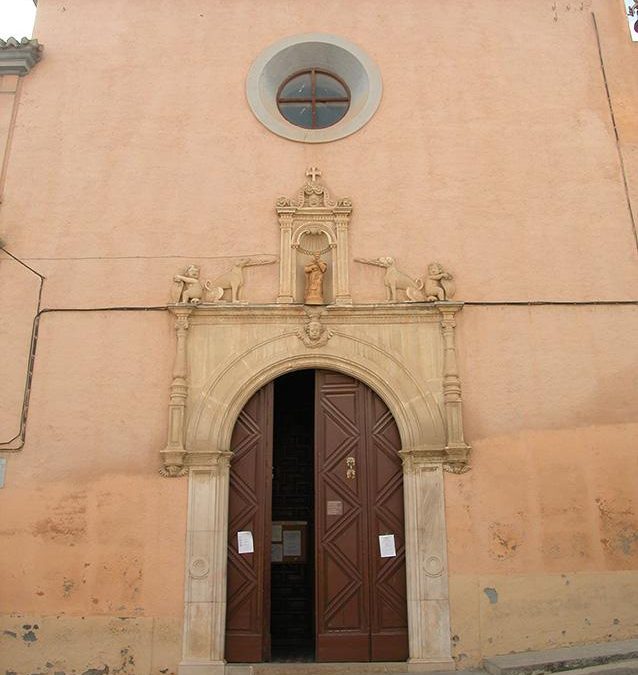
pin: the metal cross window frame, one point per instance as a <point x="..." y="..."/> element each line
<point x="314" y="99"/>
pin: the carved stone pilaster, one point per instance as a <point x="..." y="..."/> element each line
<point x="342" y="280"/>
<point x="174" y="452"/>
<point x="457" y="449"/>
<point x="206" y="551"/>
<point x="426" y="561"/>
<point x="285" y="257"/>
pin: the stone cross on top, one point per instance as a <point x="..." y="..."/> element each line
<point x="312" y="173"/>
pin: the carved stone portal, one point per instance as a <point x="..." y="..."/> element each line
<point x="226" y="352"/>
<point x="312" y="226"/>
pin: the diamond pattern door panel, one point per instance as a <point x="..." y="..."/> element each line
<point x="248" y="577"/>
<point x="342" y="588"/>
<point x="360" y="597"/>
<point x="389" y="621"/>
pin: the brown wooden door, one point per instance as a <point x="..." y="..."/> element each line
<point x="248" y="594"/>
<point x="361" y="610"/>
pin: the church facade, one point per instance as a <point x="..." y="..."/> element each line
<point x="319" y="333"/>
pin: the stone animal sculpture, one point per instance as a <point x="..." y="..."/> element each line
<point x="439" y="284"/>
<point x="233" y="279"/>
<point x="187" y="286"/>
<point x="396" y="280"/>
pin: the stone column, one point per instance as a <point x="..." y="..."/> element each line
<point x="341" y="276"/>
<point x="174" y="452"/>
<point x="205" y="596"/>
<point x="286" y="255"/>
<point x="426" y="564"/>
<point x="457" y="449"/>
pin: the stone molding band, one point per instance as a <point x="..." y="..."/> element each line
<point x="19" y="57"/>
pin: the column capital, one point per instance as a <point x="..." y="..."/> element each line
<point x="450" y="458"/>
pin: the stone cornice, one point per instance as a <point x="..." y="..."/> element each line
<point x="401" y="312"/>
<point x="18" y="57"/>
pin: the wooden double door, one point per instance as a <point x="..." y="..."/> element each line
<point x="359" y="596"/>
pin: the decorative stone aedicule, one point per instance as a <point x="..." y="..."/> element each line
<point x="18" y="57"/>
<point x="314" y="240"/>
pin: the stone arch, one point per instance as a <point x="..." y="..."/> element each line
<point x="412" y="403"/>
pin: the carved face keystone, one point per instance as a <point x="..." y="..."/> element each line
<point x="314" y="330"/>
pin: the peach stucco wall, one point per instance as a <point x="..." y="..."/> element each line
<point x="134" y="152"/>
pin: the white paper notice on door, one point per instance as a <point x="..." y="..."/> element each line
<point x="245" y="542"/>
<point x="387" y="547"/>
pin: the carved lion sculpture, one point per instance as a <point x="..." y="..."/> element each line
<point x="439" y="284"/>
<point x="187" y="286"/>
<point x="232" y="280"/>
<point x="395" y="279"/>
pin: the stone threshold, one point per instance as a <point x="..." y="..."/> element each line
<point x="358" y="668"/>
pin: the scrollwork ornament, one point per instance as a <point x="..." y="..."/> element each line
<point x="456" y="467"/>
<point x="173" y="471"/>
<point x="181" y="322"/>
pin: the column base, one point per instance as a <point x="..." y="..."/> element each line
<point x="201" y="668"/>
<point x="421" y="665"/>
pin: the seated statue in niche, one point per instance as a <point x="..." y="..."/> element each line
<point x="315" y="271"/>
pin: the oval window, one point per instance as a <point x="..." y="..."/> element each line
<point x="313" y="99"/>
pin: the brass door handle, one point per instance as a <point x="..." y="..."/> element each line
<point x="351" y="468"/>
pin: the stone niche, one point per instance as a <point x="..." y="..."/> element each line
<point x="313" y="223"/>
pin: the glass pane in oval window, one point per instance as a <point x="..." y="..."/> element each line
<point x="329" y="87"/>
<point x="330" y="113"/>
<point x="298" y="87"/>
<point x="297" y="113"/>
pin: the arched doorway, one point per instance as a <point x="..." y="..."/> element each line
<point x="316" y="489"/>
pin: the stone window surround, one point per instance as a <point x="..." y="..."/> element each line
<point x="251" y="345"/>
<point x="314" y="50"/>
